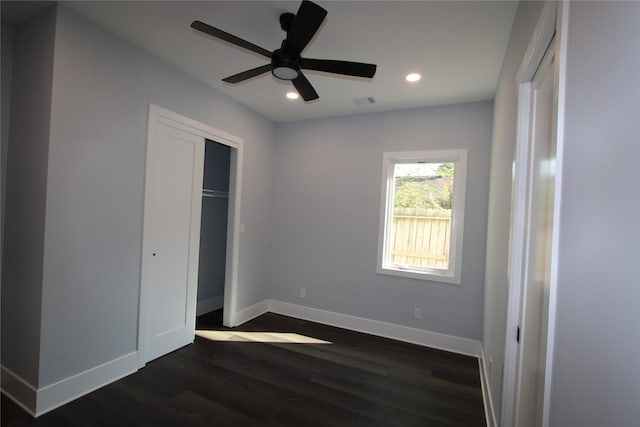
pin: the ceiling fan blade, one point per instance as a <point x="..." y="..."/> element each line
<point x="304" y="26"/>
<point x="237" y="78"/>
<point x="304" y="88"/>
<point x="348" y="68"/>
<point x="222" y="35"/>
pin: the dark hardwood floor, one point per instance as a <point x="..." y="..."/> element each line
<point x="352" y="380"/>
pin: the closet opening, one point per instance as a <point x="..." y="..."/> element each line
<point x="213" y="235"/>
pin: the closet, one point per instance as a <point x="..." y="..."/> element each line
<point x="191" y="230"/>
<point x="213" y="228"/>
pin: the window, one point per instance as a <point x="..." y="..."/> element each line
<point x="422" y="214"/>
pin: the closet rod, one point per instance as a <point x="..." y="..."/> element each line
<point x="215" y="194"/>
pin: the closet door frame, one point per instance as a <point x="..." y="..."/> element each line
<point x="158" y="115"/>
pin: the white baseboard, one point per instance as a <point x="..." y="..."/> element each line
<point x="422" y="337"/>
<point x="209" y="305"/>
<point x="489" y="412"/>
<point x="40" y="401"/>
<point x="68" y="389"/>
<point x="20" y="391"/>
<point x="251" y="312"/>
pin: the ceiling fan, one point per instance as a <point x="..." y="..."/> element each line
<point x="286" y="63"/>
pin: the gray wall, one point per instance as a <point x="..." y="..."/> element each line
<point x="6" y="50"/>
<point x="6" y="62"/>
<point x="502" y="150"/>
<point x="217" y="160"/>
<point x="102" y="86"/>
<point x="326" y="211"/>
<point x="596" y="380"/>
<point x="213" y="245"/>
<point x="26" y="194"/>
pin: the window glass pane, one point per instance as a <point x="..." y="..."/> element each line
<point x="423" y="202"/>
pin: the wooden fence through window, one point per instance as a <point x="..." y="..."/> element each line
<point x="421" y="237"/>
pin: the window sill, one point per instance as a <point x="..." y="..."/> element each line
<point x="420" y="275"/>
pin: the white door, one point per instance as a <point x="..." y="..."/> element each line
<point x="173" y="200"/>
<point x="535" y="291"/>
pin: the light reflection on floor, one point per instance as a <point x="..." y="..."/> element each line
<point x="264" y="337"/>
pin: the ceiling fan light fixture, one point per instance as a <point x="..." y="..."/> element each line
<point x="285" y="73"/>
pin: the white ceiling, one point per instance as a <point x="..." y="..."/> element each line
<point x="458" y="47"/>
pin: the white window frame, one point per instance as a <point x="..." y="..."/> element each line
<point x="389" y="160"/>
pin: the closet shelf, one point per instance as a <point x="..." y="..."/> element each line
<point x="215" y="194"/>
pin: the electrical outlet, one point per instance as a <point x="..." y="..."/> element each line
<point x="303" y="293"/>
<point x="417" y="313"/>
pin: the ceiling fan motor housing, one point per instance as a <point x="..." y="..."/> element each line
<point x="284" y="67"/>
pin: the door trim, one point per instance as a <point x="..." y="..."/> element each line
<point x="160" y="115"/>
<point x="552" y="22"/>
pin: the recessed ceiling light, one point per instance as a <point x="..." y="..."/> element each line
<point x="292" y="95"/>
<point x="413" y="77"/>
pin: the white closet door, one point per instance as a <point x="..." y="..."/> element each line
<point x="175" y="161"/>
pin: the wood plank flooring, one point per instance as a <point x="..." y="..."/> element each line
<point x="265" y="373"/>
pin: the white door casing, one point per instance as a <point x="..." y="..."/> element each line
<point x="534" y="230"/>
<point x="531" y="359"/>
<point x="171" y="231"/>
